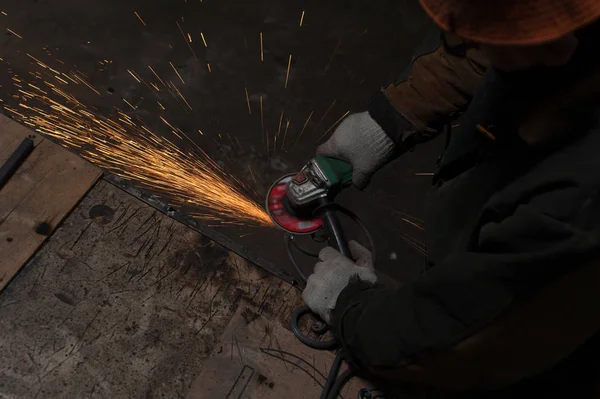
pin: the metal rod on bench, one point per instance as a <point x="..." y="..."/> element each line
<point x="15" y="160"/>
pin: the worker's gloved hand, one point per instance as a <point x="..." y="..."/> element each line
<point x="332" y="274"/>
<point x="360" y="141"/>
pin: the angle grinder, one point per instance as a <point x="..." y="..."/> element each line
<point x="303" y="203"/>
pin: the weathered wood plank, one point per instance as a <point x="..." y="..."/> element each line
<point x="257" y="358"/>
<point x="36" y="199"/>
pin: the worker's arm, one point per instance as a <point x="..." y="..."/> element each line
<point x="527" y="339"/>
<point x="436" y="87"/>
<point x="521" y="300"/>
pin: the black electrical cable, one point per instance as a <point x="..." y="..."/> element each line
<point x="331" y="378"/>
<point x="335" y="234"/>
<point x="370" y="393"/>
<point x="339" y="384"/>
<point x="298" y="313"/>
<point x="354" y="217"/>
<point x="289" y="239"/>
<point x="334" y="383"/>
<point x="288" y="247"/>
<point x="303" y="250"/>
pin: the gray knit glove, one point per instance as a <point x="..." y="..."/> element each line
<point x="360" y="141"/>
<point x="332" y="274"/>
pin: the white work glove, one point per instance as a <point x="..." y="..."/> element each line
<point x="360" y="141"/>
<point x="332" y="274"/>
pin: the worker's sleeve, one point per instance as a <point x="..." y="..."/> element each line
<point x="437" y="86"/>
<point x="511" y="258"/>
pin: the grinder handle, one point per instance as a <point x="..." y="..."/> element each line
<point x="338" y="172"/>
<point x="335" y="234"/>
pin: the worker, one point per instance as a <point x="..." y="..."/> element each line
<point x="510" y="302"/>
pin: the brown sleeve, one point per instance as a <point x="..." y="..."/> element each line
<point x="438" y="86"/>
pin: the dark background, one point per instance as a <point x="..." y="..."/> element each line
<point x="344" y="51"/>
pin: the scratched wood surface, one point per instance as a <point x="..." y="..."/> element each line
<point x="257" y="358"/>
<point x="124" y="302"/>
<point x="44" y="189"/>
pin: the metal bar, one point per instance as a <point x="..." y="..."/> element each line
<point x="15" y="160"/>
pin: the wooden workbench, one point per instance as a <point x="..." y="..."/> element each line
<point x="123" y="302"/>
<point x="39" y="195"/>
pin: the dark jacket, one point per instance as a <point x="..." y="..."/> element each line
<point x="513" y="228"/>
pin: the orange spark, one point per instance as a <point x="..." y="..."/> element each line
<point x="127" y="148"/>
<point x="208" y="66"/>
<point x="140" y="18"/>
<point x="252" y="174"/>
<point x="333" y="55"/>
<point x="280" y="120"/>
<point x="173" y="66"/>
<point x="37" y="88"/>
<point x="413" y="242"/>
<point x="261" y="48"/>
<point x="334" y="124"/>
<point x="135" y="77"/>
<point x="287" y="125"/>
<point x="302" y="18"/>
<point x="413" y="223"/>
<point x="278" y="131"/>
<point x="267" y="143"/>
<point x="62" y="80"/>
<point x="182" y="97"/>
<point x="262" y="122"/>
<point x="304" y="127"/>
<point x="157" y="77"/>
<point x="80" y="79"/>
<point x="68" y="77"/>
<point x="128" y="103"/>
<point x="186" y="41"/>
<point x="203" y="39"/>
<point x="327" y="112"/>
<point x="40" y="63"/>
<point x="14" y="33"/>
<point x="248" y="101"/>
<point x="167" y="123"/>
<point x="287" y="76"/>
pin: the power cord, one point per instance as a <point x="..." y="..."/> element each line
<point x="335" y="382"/>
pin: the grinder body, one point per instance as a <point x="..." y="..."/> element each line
<point x="321" y="179"/>
<point x="303" y="203"/>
